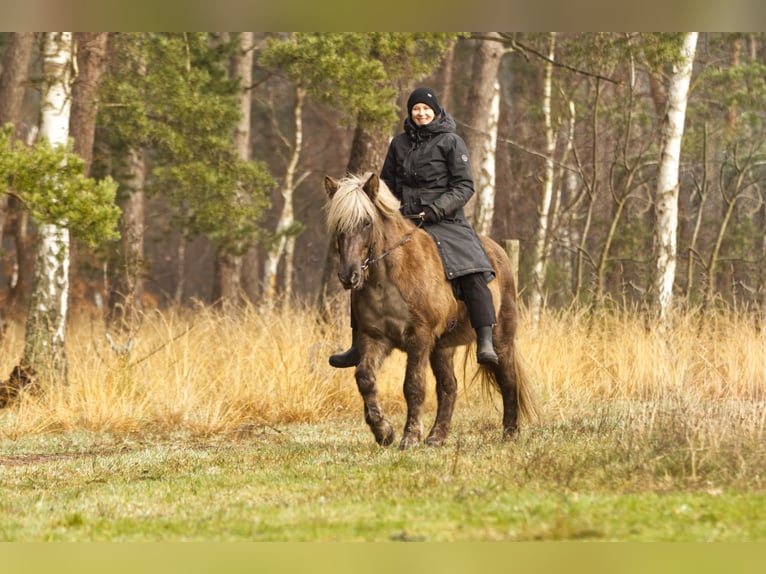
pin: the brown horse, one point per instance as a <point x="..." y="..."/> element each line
<point x="402" y="299"/>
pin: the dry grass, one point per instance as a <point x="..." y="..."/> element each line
<point x="205" y="372"/>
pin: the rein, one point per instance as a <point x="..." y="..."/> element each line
<point x="370" y="259"/>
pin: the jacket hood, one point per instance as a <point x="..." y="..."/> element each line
<point x="443" y="123"/>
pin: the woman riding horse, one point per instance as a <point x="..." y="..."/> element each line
<point x="427" y="168"/>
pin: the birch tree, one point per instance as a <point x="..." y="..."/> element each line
<point x="485" y="196"/>
<point x="51" y="183"/>
<point x="44" y="351"/>
<point x="540" y="256"/>
<point x="284" y="241"/>
<point x="666" y="200"/>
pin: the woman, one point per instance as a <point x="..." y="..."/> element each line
<point x="428" y="170"/>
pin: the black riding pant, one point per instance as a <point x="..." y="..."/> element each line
<point x="473" y="291"/>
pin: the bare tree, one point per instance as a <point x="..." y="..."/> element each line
<point x="666" y="202"/>
<point x="541" y="241"/>
<point x="285" y="240"/>
<point x="91" y="64"/>
<point x="227" y="285"/>
<point x="488" y="52"/>
<point x="12" y="82"/>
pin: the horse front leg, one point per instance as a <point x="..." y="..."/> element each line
<point x="446" y="393"/>
<point x="414" y="395"/>
<point x="372" y="354"/>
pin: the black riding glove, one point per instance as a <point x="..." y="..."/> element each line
<point x="430" y="216"/>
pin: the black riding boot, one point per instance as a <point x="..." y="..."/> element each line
<point x="348" y="358"/>
<point x="485" y="351"/>
<point x="481" y="312"/>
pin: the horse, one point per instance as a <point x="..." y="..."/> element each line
<point x="402" y="299"/>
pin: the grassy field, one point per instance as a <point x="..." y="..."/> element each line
<point x="235" y="429"/>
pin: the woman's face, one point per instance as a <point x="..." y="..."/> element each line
<point x="422" y="114"/>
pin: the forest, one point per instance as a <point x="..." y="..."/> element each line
<point x="156" y="170"/>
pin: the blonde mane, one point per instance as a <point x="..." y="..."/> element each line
<point x="350" y="207"/>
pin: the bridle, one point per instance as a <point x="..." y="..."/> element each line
<point x="370" y="260"/>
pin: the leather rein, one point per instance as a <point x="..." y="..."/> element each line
<point x="371" y="260"/>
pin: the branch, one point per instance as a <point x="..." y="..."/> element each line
<point x="524" y="49"/>
<point x="554" y="161"/>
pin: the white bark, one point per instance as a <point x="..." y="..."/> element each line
<point x="46" y="322"/>
<point x="666" y="202"/>
<point x="286" y="216"/>
<point x="485" y="202"/>
<point x="541" y="236"/>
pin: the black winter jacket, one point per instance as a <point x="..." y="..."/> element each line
<point x="428" y="166"/>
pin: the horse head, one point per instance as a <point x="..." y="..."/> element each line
<point x="350" y="217"/>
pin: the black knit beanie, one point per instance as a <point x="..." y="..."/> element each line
<point x="423" y="96"/>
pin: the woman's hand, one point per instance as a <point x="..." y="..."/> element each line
<point x="428" y="215"/>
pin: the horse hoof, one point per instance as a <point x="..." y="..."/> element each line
<point x="408" y="443"/>
<point x="510" y="434"/>
<point x="385" y="436"/>
<point x="434" y="441"/>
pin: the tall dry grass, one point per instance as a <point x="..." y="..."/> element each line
<point x="203" y="372"/>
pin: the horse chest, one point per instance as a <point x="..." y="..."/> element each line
<point x="381" y="308"/>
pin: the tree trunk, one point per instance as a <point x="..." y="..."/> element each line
<point x="91" y="63"/>
<point x="44" y="343"/>
<point x="591" y="190"/>
<point x="447" y="70"/>
<point x="286" y="217"/>
<point x="126" y="293"/>
<point x="666" y="203"/>
<point x="485" y="202"/>
<point x="14" y="76"/>
<point x="567" y="187"/>
<point x="486" y="66"/>
<point x="227" y="285"/>
<point x="735" y="62"/>
<point x="702" y="190"/>
<point x="540" y="255"/>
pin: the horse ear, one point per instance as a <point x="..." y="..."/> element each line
<point x="330" y="185"/>
<point x="371" y="185"/>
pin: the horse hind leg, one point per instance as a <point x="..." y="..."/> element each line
<point x="505" y="378"/>
<point x="446" y="393"/>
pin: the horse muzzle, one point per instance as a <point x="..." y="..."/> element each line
<point x="351" y="279"/>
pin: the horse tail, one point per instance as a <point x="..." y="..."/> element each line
<point x="526" y="397"/>
<point x="525" y="392"/>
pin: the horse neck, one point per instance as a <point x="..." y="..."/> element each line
<point x="393" y="236"/>
<point x="390" y="230"/>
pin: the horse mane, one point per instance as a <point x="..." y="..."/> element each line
<point x="350" y="206"/>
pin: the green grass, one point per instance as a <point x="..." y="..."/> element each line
<point x="235" y="428"/>
<point x="591" y="478"/>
